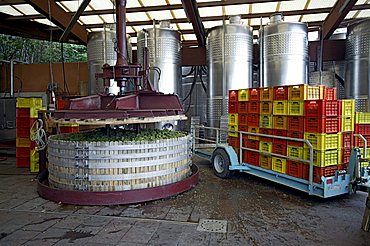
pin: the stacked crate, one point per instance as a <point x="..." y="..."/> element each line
<point x="266" y="126"/>
<point x="348" y="128"/>
<point x="26" y="116"/>
<point x="299" y="111"/>
<point x="362" y="126"/>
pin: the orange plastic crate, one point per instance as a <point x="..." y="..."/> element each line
<point x="280" y="122"/>
<point x="266" y="107"/>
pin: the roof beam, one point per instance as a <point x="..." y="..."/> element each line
<point x="191" y="10"/>
<point x="152" y="8"/>
<point x="74" y="19"/>
<point x="11" y="2"/>
<point x="244" y="16"/>
<point x="58" y="16"/>
<point x="27" y="29"/>
<point x="335" y="17"/>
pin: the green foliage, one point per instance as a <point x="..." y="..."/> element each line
<point x="39" y="51"/>
<point x="99" y="135"/>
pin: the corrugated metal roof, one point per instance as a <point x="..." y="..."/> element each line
<point x="95" y="22"/>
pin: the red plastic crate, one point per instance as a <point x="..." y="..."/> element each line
<point x="25" y="122"/>
<point x="22" y="161"/>
<point x="296" y="134"/>
<point x="279" y="148"/>
<point x="243" y="128"/>
<point x="346" y="153"/>
<point x="60" y="104"/>
<point x="233" y="107"/>
<point x="252" y="158"/>
<point x="242" y="107"/>
<point x="318" y="172"/>
<point x="347" y="139"/>
<point x="245" y="140"/>
<point x="69" y="129"/>
<point x="23" y="132"/>
<point x="343" y="166"/>
<point x="267" y="132"/>
<point x="360" y="143"/>
<point x="362" y="129"/>
<point x="254" y="94"/>
<point x="22" y="152"/>
<point x="253" y="144"/>
<point x="254" y="107"/>
<point x="322" y="108"/>
<point x="22" y="112"/>
<point x="233" y="95"/>
<point x="234" y="142"/>
<point x="242" y="120"/>
<point x="296" y="123"/>
<point x="254" y="120"/>
<point x="281" y="133"/>
<point x="330" y="94"/>
<point x="294" y="168"/>
<point x="281" y="93"/>
<point x="322" y="124"/>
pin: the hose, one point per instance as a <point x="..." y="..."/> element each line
<point x="38" y="134"/>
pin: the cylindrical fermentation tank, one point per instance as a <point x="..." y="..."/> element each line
<point x="229" y="60"/>
<point x="358" y="67"/>
<point x="164" y="56"/>
<point x="283" y="52"/>
<point x="100" y="51"/>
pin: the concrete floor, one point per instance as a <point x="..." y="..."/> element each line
<point x="257" y="212"/>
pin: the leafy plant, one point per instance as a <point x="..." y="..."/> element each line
<point x="99" y="135"/>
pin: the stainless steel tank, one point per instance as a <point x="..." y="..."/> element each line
<point x="164" y="53"/>
<point x="229" y="60"/>
<point x="283" y="52"/>
<point x="358" y="67"/>
<point x="100" y="51"/>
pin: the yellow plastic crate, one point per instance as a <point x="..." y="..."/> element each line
<point x="324" y="141"/>
<point x="34" y="161"/>
<point x="348" y="107"/>
<point x="279" y="164"/>
<point x="348" y="123"/>
<point x="22" y="142"/>
<point x="34" y="112"/>
<point x="266" y="107"/>
<point x="280" y="108"/>
<point x="29" y="102"/>
<point x="280" y="122"/>
<point x="266" y="121"/>
<point x="295" y="151"/>
<point x="296" y="92"/>
<point x="266" y="94"/>
<point x="324" y="158"/>
<point x="265" y="161"/>
<point x="233" y="128"/>
<point x="296" y="108"/>
<point x="243" y="95"/>
<point x="233" y="119"/>
<point x="266" y="146"/>
<point x="362" y="118"/>
<point x="314" y="92"/>
<point x="253" y="130"/>
<point x="367" y="152"/>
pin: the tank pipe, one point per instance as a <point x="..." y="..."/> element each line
<point x="261" y="54"/>
<point x="223" y="68"/>
<point x="368" y="86"/>
<point x="320" y="54"/>
<point x="121" y="33"/>
<point x="11" y="78"/>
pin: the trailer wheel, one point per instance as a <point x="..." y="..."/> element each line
<point x="220" y="163"/>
